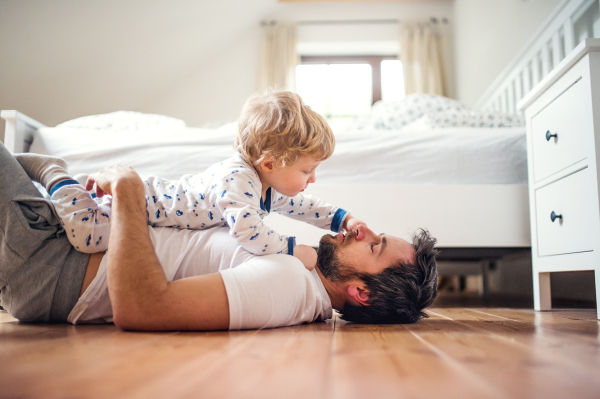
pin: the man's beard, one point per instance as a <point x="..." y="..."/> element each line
<point x="329" y="263"/>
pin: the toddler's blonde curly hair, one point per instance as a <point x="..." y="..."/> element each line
<point x="279" y="125"/>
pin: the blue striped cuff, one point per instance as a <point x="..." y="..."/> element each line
<point x="63" y="183"/>
<point x="338" y="219"/>
<point x="291" y="245"/>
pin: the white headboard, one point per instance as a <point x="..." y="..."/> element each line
<point x="570" y="23"/>
<point x="19" y="130"/>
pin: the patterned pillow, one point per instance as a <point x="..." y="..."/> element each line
<point x="398" y="114"/>
<point x="124" y="121"/>
<point x="466" y="118"/>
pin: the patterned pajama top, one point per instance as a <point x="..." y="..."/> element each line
<point x="226" y="194"/>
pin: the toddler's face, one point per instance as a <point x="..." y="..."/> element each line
<point x="294" y="180"/>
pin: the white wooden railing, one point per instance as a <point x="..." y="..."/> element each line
<point x="570" y="23"/>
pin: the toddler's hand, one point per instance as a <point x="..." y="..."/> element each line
<point x="351" y="223"/>
<point x="307" y="255"/>
<point x="107" y="179"/>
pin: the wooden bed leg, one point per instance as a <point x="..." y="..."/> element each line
<point x="597" y="277"/>
<point x="541" y="291"/>
<point x="485" y="278"/>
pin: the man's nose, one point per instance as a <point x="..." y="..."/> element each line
<point x="365" y="233"/>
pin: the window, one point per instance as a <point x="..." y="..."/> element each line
<point x="340" y="88"/>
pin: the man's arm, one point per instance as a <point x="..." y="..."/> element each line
<point x="141" y="296"/>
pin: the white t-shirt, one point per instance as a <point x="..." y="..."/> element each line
<point x="263" y="291"/>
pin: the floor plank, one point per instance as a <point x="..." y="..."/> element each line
<point x="461" y="352"/>
<point x="162" y="364"/>
<point x="101" y="361"/>
<point x="392" y="362"/>
<point x="563" y="358"/>
<point x="5" y="317"/>
<point x="510" y="370"/>
<point x="280" y="355"/>
<point x="561" y="321"/>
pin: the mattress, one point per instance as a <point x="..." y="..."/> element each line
<point x="389" y="157"/>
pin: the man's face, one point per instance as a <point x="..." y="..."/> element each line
<point x="341" y="257"/>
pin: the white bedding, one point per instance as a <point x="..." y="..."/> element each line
<point x="434" y="156"/>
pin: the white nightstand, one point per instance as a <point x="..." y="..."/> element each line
<point x="563" y="147"/>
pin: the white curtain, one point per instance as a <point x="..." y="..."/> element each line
<point x="278" y="57"/>
<point x="422" y="56"/>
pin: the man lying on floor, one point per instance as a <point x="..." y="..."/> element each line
<point x="170" y="279"/>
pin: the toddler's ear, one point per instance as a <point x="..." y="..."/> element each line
<point x="267" y="164"/>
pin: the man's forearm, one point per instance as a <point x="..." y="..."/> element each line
<point x="140" y="295"/>
<point x="134" y="273"/>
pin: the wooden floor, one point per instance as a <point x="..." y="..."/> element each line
<point x="456" y="353"/>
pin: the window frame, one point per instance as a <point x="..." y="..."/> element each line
<point x="373" y="60"/>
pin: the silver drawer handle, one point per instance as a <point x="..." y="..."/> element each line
<point x="550" y="135"/>
<point x="554" y="216"/>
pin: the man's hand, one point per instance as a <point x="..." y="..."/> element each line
<point x="307" y="255"/>
<point x="108" y="179"/>
<point x="351" y="223"/>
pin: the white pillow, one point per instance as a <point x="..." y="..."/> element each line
<point x="466" y="118"/>
<point x="399" y="114"/>
<point x="124" y="121"/>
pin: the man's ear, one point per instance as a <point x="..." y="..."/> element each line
<point x="267" y="164"/>
<point x="359" y="293"/>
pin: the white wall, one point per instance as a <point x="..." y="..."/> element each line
<point x="488" y="34"/>
<point x="483" y="37"/>
<point x="62" y="59"/>
<point x="216" y="91"/>
<point x="193" y="59"/>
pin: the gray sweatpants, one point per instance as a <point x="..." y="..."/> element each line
<point x="40" y="272"/>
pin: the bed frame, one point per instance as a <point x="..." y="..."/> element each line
<point x="571" y="22"/>
<point x="460" y="216"/>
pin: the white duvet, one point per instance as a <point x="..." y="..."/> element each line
<point x="435" y="156"/>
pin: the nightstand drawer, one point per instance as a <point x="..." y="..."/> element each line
<point x="570" y="125"/>
<point x="572" y="200"/>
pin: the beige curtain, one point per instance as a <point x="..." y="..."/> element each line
<point x="422" y="56"/>
<point x="278" y="57"/>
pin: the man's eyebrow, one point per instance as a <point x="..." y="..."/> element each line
<point x="383" y="245"/>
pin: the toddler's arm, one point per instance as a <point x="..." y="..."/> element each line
<point x="307" y="255"/>
<point x="85" y="222"/>
<point x="311" y="210"/>
<point x="242" y="212"/>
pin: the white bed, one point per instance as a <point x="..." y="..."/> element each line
<point x="467" y="186"/>
<point x="427" y="157"/>
<point x="456" y="182"/>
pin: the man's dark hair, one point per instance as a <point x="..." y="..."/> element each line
<point x="399" y="293"/>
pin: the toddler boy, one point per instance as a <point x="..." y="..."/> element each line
<point x="279" y="145"/>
